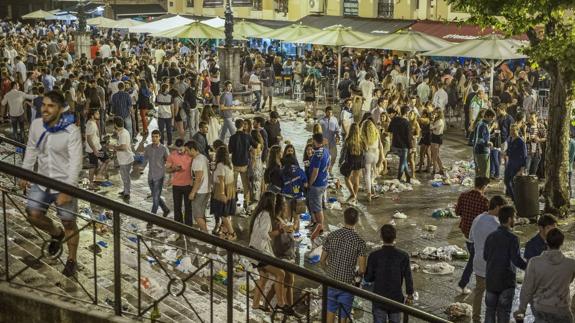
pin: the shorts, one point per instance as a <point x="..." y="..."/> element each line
<point x="315" y="198"/>
<point x="199" y="205"/>
<point x="333" y="151"/>
<point x="437" y="139"/>
<point x="267" y="91"/>
<point x="93" y="159"/>
<point x="339" y="302"/>
<point x="40" y="200"/>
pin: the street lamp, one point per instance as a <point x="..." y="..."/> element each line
<point x="81" y="17"/>
<point x="229" y="25"/>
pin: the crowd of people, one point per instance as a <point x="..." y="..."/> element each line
<point x="74" y="110"/>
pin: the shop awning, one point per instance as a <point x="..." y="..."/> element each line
<point x="365" y="25"/>
<point x="454" y="32"/>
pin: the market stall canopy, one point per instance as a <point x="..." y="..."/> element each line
<point x="194" y="30"/>
<point x="216" y="22"/>
<point x="161" y="25"/>
<point x="247" y="29"/>
<point x="38" y="14"/>
<point x="405" y="41"/>
<point x="101" y="22"/>
<point x="454" y="31"/>
<point x="127" y="23"/>
<point x="289" y="33"/>
<point x="492" y="47"/>
<point x="63" y="17"/>
<point x="336" y="35"/>
<point x="365" y="25"/>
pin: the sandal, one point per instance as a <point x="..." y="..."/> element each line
<point x="231" y="236"/>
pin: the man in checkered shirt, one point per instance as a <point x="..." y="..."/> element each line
<point x="469" y="205"/>
<point x="343" y="250"/>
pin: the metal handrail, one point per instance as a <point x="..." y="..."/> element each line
<point x="180" y="228"/>
<point x="12" y="142"/>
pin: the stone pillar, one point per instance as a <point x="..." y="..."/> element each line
<point x="83" y="44"/>
<point x="229" y="61"/>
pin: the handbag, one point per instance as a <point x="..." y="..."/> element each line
<point x="283" y="246"/>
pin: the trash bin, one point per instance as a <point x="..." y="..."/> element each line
<point x="526" y="193"/>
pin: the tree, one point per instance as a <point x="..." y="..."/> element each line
<point x="550" y="27"/>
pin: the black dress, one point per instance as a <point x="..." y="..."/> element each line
<point x="425" y="139"/>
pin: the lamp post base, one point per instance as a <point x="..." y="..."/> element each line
<point x="83" y="44"/>
<point x="229" y="61"/>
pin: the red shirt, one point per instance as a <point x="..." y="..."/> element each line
<point x="182" y="177"/>
<point x="469" y="205"/>
<point x="93" y="50"/>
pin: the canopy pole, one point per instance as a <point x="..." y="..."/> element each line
<point x="492" y="66"/>
<point x="338" y="65"/>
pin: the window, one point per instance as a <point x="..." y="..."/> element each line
<point x="190" y="3"/>
<point x="385" y="8"/>
<point x="213" y="3"/>
<point x="171" y="3"/>
<point x="350" y="7"/>
<point x="281" y="5"/>
<point x="242" y="3"/>
<point x="257" y="5"/>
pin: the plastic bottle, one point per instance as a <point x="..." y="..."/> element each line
<point x="155" y="314"/>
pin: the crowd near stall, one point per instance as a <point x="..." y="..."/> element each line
<point x="150" y="98"/>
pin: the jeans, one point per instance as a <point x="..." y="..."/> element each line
<point x="495" y="162"/>
<point x="481" y="165"/>
<point x="180" y="193"/>
<point x="128" y="125"/>
<point x="258" y="101"/>
<point x="17" y="127"/>
<point x="383" y="316"/>
<point x="125" y="175"/>
<point x="165" y="124"/>
<point x="102" y="122"/>
<point x="498" y="306"/>
<point x="466" y="276"/>
<point x="508" y="177"/>
<point x="193" y="121"/>
<point x="339" y="302"/>
<point x="532" y="163"/>
<point x="228" y="125"/>
<point x="546" y="317"/>
<point x="403" y="167"/>
<point x="156" y="189"/>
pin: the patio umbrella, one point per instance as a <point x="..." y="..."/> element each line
<point x="246" y="29"/>
<point x="65" y="17"/>
<point x="337" y="36"/>
<point x="160" y="25"/>
<point x="405" y="41"/>
<point x="197" y="31"/>
<point x="215" y="22"/>
<point x="492" y="49"/>
<point x="126" y="23"/>
<point x="38" y="14"/>
<point x="290" y="33"/>
<point x="101" y="22"/>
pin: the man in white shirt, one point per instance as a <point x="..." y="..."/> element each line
<point x="201" y="186"/>
<point x="423" y="91"/>
<point x="124" y="155"/>
<point x="366" y="86"/>
<point x="256" y="86"/>
<point x="55" y="144"/>
<point x="105" y="50"/>
<point x="440" y="98"/>
<point x="94" y="148"/>
<point x="20" y="70"/>
<point x="15" y="100"/>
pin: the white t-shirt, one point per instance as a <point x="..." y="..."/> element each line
<point x="201" y="163"/>
<point x="260" y="238"/>
<point x="92" y="129"/>
<point x="226" y="172"/>
<point x="125" y="157"/>
<point x="255" y="87"/>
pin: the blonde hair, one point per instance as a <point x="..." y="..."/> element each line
<point x="317" y="128"/>
<point x="353" y="142"/>
<point x="369" y="133"/>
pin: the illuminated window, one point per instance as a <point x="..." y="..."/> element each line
<point x="385" y="8"/>
<point x="350" y="7"/>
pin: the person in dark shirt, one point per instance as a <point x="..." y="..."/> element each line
<point x="201" y="138"/>
<point x="504" y="122"/>
<point x="239" y="147"/>
<point x="536" y="245"/>
<point x="502" y="255"/>
<point x="343" y="87"/>
<point x="273" y="175"/>
<point x="273" y="129"/>
<point x="401" y="140"/>
<point x="258" y="125"/>
<point x="388" y="268"/>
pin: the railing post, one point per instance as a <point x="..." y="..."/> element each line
<point x="230" y="289"/>
<point x="117" y="265"/>
<point x="6" y="249"/>
<point x="324" y="303"/>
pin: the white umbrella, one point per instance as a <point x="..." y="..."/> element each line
<point x="66" y="17"/>
<point x="216" y="22"/>
<point x="161" y="25"/>
<point x="38" y="14"/>
<point x="101" y="22"/>
<point x="127" y="23"/>
<point x="492" y="49"/>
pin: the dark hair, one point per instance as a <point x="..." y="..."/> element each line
<point x="119" y="122"/>
<point x="481" y="182"/>
<point x="217" y="144"/>
<point x="328" y="108"/>
<point x="266" y="203"/>
<point x="489" y="113"/>
<point x="318" y="138"/>
<point x="239" y="124"/>
<point x="350" y="216"/>
<point x="555" y="238"/>
<point x="156" y="132"/>
<point x="202" y="124"/>
<point x="223" y="156"/>
<point x="274" y="115"/>
<point x="90" y="113"/>
<point x="194" y="145"/>
<point x="57" y="98"/>
<point x="496" y="201"/>
<point x="179" y="142"/>
<point x="404" y="109"/>
<point x="388" y="233"/>
<point x="259" y="120"/>
<point x="506" y="213"/>
<point x="546" y="219"/>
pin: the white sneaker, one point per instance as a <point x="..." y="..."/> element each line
<point x="465" y="291"/>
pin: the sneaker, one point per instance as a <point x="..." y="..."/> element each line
<point x="465" y="291"/>
<point x="70" y="268"/>
<point x="56" y="244"/>
<point x="166" y="212"/>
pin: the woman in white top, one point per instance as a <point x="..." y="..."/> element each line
<point x="366" y="86"/>
<point x="437" y="127"/>
<point x="261" y="235"/>
<point x="373" y="154"/>
<point x="223" y="202"/>
<point x="208" y="116"/>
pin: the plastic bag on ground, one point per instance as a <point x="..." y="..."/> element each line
<point x="458" y="311"/>
<point x="315" y="255"/>
<point x="441" y="268"/>
<point x="399" y="215"/>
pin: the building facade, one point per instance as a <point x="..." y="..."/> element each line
<point x="293" y="10"/>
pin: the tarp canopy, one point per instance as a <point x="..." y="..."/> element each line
<point x="216" y="22"/>
<point x="101" y="22"/>
<point x="290" y="33"/>
<point x="336" y="35"/>
<point x="38" y="14"/>
<point x="161" y="25"/>
<point x="405" y="41"/>
<point x="63" y="17"/>
<point x="492" y="47"/>
<point x="126" y="23"/>
<point x="247" y="29"/>
<point x="194" y="30"/>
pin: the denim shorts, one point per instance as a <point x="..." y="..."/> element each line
<point x="339" y="302"/>
<point x="315" y="198"/>
<point x="40" y="200"/>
